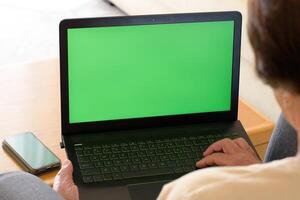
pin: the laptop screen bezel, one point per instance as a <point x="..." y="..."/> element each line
<point x="135" y="123"/>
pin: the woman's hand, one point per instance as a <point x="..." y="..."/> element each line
<point x="227" y="152"/>
<point x="64" y="184"/>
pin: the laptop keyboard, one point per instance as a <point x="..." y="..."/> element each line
<point x="119" y="161"/>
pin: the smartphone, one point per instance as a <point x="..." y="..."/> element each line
<point x="30" y="153"/>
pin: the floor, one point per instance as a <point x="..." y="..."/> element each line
<point x="29" y="29"/>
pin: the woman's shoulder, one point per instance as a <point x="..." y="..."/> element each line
<point x="261" y="180"/>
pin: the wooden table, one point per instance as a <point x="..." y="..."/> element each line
<point x="30" y="101"/>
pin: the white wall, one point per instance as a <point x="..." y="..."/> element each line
<point x="255" y="92"/>
<point x="29" y="28"/>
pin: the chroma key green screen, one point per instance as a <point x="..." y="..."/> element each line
<point x="140" y="71"/>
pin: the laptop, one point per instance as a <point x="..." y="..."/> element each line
<point x="143" y="96"/>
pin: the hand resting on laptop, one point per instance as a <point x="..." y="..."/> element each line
<point x="227" y="152"/>
<point x="64" y="184"/>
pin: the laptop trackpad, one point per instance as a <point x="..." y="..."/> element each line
<point x="109" y="193"/>
<point x="146" y="191"/>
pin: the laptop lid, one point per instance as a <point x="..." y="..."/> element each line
<point x="146" y="71"/>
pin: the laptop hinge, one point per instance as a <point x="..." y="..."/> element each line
<point x="62" y="143"/>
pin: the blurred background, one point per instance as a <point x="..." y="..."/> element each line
<point x="29" y="33"/>
<point x="29" y="29"/>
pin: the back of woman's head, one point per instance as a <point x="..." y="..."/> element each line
<point x="274" y="32"/>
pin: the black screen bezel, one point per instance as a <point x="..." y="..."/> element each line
<point x="98" y="126"/>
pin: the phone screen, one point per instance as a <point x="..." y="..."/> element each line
<point x="32" y="150"/>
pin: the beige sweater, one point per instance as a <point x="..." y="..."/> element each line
<point x="277" y="180"/>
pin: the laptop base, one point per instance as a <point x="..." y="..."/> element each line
<point x="132" y="188"/>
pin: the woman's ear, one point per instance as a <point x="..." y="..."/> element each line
<point x="287" y="99"/>
<point x="290" y="105"/>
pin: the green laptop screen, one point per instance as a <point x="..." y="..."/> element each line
<point x="137" y="71"/>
